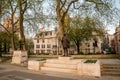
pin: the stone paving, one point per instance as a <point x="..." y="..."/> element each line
<point x="15" y="72"/>
<point x="18" y="75"/>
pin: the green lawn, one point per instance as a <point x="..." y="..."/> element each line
<point x="4" y="58"/>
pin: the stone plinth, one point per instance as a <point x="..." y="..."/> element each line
<point x="62" y="64"/>
<point x="19" y="57"/>
<point x="89" y="69"/>
<point x="35" y="65"/>
<point x="67" y="65"/>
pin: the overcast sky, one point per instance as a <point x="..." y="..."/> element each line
<point x="111" y="28"/>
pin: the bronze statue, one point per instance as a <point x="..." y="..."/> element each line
<point x="66" y="44"/>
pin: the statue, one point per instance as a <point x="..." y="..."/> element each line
<point x="66" y="44"/>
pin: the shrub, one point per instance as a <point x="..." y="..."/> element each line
<point x="80" y="53"/>
<point x="41" y="59"/>
<point x="90" y="61"/>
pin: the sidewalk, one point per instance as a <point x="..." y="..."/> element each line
<point x="14" y="72"/>
<point x="110" y="61"/>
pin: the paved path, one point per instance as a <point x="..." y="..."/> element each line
<point x="14" y="72"/>
<point x="110" y="61"/>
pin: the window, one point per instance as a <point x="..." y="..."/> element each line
<point x="37" y="46"/>
<point x="37" y="41"/>
<point x="43" y="46"/>
<point x="54" y="46"/>
<point x="42" y="51"/>
<point x="37" y="51"/>
<point x="43" y="41"/>
<point x="55" y="52"/>
<point x="48" y="46"/>
<point x="88" y="45"/>
<point x="46" y="33"/>
<point x="51" y="33"/>
<point x="48" y="51"/>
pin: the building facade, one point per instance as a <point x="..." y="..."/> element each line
<point x="47" y="42"/>
<point x="116" y="41"/>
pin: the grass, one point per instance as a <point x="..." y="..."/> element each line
<point x="1" y="57"/>
<point x="4" y="58"/>
<point x="41" y="59"/>
<point x="90" y="61"/>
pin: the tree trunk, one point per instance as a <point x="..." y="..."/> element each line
<point x="94" y="49"/>
<point x="12" y="37"/>
<point x="78" y="47"/>
<point x="61" y="29"/>
<point x="59" y="18"/>
<point x="60" y="34"/>
<point x="13" y="44"/>
<point x="22" y="37"/>
<point x="0" y="49"/>
<point x="5" y="50"/>
<point x="0" y="9"/>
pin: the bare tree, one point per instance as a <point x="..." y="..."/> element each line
<point x="22" y="5"/>
<point x="99" y="9"/>
<point x="62" y="9"/>
<point x="11" y="26"/>
<point x="34" y="16"/>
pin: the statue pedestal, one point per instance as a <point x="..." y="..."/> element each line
<point x="19" y="57"/>
<point x="72" y="66"/>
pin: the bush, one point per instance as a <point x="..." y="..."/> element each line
<point x="81" y="53"/>
<point x="4" y="58"/>
<point x="41" y="59"/>
<point x="90" y="61"/>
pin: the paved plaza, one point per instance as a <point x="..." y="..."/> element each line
<point x="15" y="72"/>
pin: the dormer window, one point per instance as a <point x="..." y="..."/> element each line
<point x="46" y="33"/>
<point x="37" y="41"/>
<point x="43" y="40"/>
<point x="51" y="33"/>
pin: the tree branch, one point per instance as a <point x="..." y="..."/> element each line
<point x="63" y="4"/>
<point x="16" y="22"/>
<point x="5" y="28"/>
<point x="15" y="8"/>
<point x="77" y="7"/>
<point x="16" y="30"/>
<point x="68" y="8"/>
<point x="10" y="2"/>
<point x="58" y="9"/>
<point x="25" y="7"/>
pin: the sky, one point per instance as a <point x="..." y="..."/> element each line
<point x="111" y="28"/>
